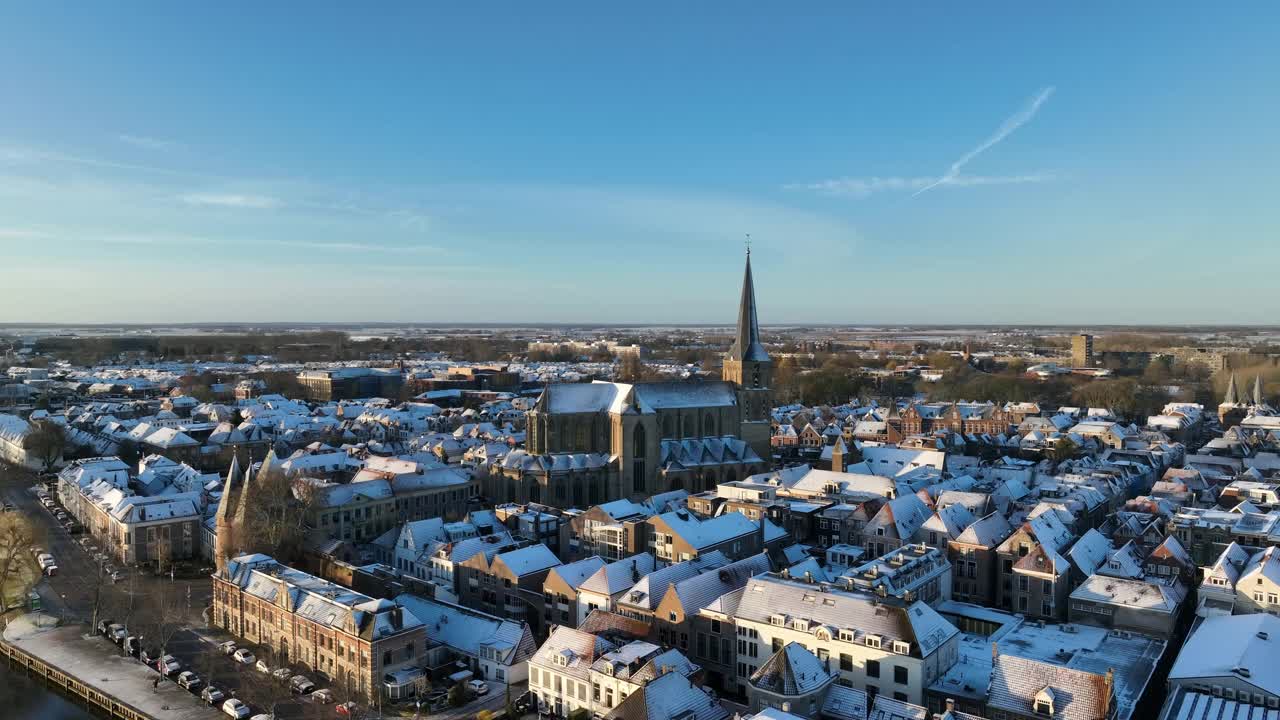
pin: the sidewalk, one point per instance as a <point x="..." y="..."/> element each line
<point x="97" y="663"/>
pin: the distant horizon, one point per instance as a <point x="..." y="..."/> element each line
<point x="461" y="324"/>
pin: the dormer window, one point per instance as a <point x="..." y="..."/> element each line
<point x="1044" y="702"/>
<point x="800" y="624"/>
<point x="872" y="641"/>
<point x="847" y="635"/>
<point x="778" y="619"/>
<point x="901" y="648"/>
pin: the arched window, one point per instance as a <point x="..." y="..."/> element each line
<point x="639" y="446"/>
<point x="668" y="427"/>
<point x="580" y="442"/>
<point x="689" y="428"/>
<point x="708" y="425"/>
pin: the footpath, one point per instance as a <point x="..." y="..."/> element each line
<point x="95" y="663"/>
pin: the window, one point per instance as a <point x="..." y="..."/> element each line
<point x="900" y="675"/>
<point x="846" y="662"/>
<point x="872" y="641"/>
<point x="873" y="668"/>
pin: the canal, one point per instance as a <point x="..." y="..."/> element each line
<point x="22" y="697"/>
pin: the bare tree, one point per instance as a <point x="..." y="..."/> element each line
<point x="46" y="441"/>
<point x="278" y="514"/>
<point x="19" y="571"/>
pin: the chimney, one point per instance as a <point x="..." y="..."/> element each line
<point x="1111" y="678"/>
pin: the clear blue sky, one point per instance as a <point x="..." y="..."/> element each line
<point x="966" y="162"/>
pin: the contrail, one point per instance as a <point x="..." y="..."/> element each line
<point x="1013" y="122"/>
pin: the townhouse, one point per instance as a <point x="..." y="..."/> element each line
<point x="351" y="639"/>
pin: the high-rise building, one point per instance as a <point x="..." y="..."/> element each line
<point x="1082" y="351"/>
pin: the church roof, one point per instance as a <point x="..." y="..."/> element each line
<point x="747" y="345"/>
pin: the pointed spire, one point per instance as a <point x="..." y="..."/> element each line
<point x="225" y="503"/>
<point x="1257" y="390"/>
<point x="746" y="344"/>
<point x="1233" y="395"/>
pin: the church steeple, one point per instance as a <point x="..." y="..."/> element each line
<point x="1257" y="390"/>
<point x="746" y="344"/>
<point x="747" y="365"/>
<point x="1233" y="396"/>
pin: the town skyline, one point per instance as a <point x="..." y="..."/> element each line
<point x="946" y="169"/>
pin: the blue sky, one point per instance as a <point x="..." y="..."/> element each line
<point x="567" y="162"/>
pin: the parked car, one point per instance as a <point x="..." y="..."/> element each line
<point x="243" y="656"/>
<point x="478" y="687"/>
<point x="168" y="665"/>
<point x="300" y="685"/>
<point x="262" y="667"/>
<point x="212" y="695"/>
<point x="149" y="657"/>
<point x="103" y="625"/>
<point x="116" y="576"/>
<point x="524" y="703"/>
<point x="281" y="675"/>
<point x="133" y="645"/>
<point x="117" y="633"/>
<point x="346" y="709"/>
<point x="189" y="680"/>
<point x="263" y="716"/>
<point x="227" y="647"/>
<point x="50" y="570"/>
<point x="235" y="709"/>
<point x="324" y="697"/>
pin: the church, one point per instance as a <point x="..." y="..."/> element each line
<point x="589" y="443"/>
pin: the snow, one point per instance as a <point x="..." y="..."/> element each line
<point x="97" y="663"/>
<point x="1223" y="643"/>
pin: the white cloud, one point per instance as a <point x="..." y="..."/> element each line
<point x="862" y="187"/>
<point x="358" y="246"/>
<point x="147" y="143"/>
<point x="1011" y="123"/>
<point x="254" y="202"/>
<point x="21" y="234"/>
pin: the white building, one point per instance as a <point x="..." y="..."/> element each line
<point x="890" y="648"/>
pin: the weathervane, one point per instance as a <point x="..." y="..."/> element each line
<point x="748" y="243"/>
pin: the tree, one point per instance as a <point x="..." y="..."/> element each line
<point x="19" y="571"/>
<point x="127" y="450"/>
<point x="458" y="695"/>
<point x="278" y="509"/>
<point x="1063" y="449"/>
<point x="46" y="442"/>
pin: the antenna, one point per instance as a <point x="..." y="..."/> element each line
<point x="748" y="244"/>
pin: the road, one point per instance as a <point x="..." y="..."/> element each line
<point x="70" y="594"/>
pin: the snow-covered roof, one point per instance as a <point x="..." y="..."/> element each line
<point x="1224" y="645"/>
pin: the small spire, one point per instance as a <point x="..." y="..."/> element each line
<point x="1233" y="395"/>
<point x="1257" y="390"/>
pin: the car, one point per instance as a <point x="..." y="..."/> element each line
<point x="8" y="507"/>
<point x="168" y="665"/>
<point x="149" y="657"/>
<point x="281" y="675"/>
<point x="235" y="708"/>
<point x="243" y="656"/>
<point x="346" y="709"/>
<point x="189" y="680"/>
<point x="227" y="647"/>
<point x="478" y="687"/>
<point x="524" y="703"/>
<point x="263" y="716"/>
<point x="133" y="645"/>
<point x="262" y="667"/>
<point x="301" y="685"/>
<point x="324" y="697"/>
<point x="212" y="695"/>
<point x="103" y="625"/>
<point x="116" y="576"/>
<point x="50" y="570"/>
<point x="117" y="633"/>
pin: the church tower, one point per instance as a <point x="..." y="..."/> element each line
<point x="224" y="542"/>
<point x="748" y="366"/>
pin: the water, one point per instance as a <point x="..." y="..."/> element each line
<point x="23" y="698"/>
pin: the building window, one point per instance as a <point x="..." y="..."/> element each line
<point x="846" y="662"/>
<point x="873" y="668"/>
<point x="900" y="675"/>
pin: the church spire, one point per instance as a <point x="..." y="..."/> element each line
<point x="746" y="344"/>
<point x="1257" y="390"/>
<point x="1233" y="396"/>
